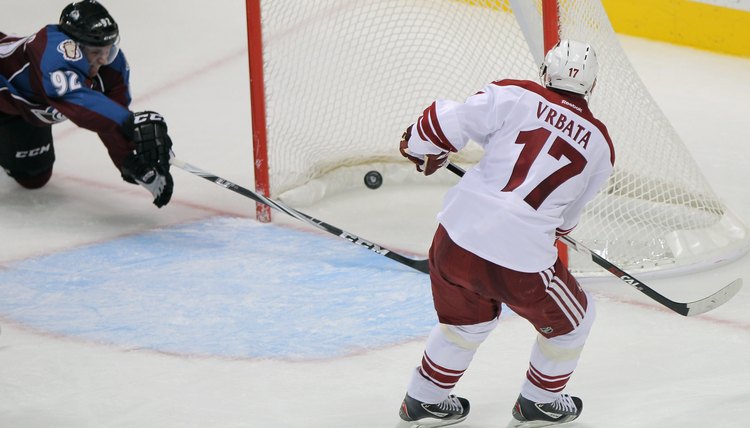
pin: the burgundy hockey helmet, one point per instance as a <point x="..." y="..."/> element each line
<point x="88" y="23"/>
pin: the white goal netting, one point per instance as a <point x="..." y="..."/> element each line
<point x="344" y="77"/>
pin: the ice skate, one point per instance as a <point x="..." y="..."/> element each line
<point x="528" y="414"/>
<point x="416" y="414"/>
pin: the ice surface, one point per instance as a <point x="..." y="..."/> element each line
<point x="116" y="314"/>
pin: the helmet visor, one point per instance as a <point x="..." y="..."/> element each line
<point x="102" y="55"/>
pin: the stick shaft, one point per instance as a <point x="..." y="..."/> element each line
<point x="420" y="265"/>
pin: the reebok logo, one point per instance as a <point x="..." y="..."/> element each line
<point x="573" y="106"/>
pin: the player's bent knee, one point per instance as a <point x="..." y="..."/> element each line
<point x="567" y="347"/>
<point x="590" y="315"/>
<point x="468" y="336"/>
<point x="35" y="181"/>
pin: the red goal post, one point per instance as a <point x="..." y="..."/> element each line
<point x="333" y="83"/>
<point x="258" y="107"/>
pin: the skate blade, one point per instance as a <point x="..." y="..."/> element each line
<point x="515" y="423"/>
<point x="428" y="424"/>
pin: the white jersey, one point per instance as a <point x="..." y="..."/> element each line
<point x="545" y="157"/>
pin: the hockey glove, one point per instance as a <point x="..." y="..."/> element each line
<point x="148" y="165"/>
<point x="155" y="179"/>
<point x="426" y="164"/>
<point x="148" y="131"/>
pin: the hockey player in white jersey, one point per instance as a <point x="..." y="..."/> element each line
<point x="545" y="157"/>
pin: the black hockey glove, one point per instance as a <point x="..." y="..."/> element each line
<point x="148" y="130"/>
<point x="148" y="165"/>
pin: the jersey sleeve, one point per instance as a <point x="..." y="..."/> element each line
<point x="448" y="126"/>
<point x="572" y="213"/>
<point x="113" y="82"/>
<point x="118" y="147"/>
<point x="96" y="112"/>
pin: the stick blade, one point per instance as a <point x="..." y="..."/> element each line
<point x="715" y="300"/>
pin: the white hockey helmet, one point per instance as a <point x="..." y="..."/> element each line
<point x="570" y="66"/>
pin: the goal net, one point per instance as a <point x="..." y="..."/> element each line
<point x="342" y="79"/>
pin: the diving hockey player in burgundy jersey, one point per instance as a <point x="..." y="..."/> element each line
<point x="76" y="71"/>
<point x="545" y="157"/>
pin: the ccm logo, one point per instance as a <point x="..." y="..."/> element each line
<point x="31" y="153"/>
<point x="143" y="117"/>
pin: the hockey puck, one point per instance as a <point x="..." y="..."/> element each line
<point x="373" y="180"/>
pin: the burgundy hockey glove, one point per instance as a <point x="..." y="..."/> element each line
<point x="426" y="164"/>
<point x="433" y="163"/>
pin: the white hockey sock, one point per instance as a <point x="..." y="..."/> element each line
<point x="448" y="352"/>
<point x="553" y="360"/>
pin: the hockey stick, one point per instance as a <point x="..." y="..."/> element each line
<point x="420" y="265"/>
<point x="687" y="309"/>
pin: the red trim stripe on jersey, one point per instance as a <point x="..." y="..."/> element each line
<point x="547" y="382"/>
<point x="429" y="129"/>
<point x="439" y="130"/>
<point x="440" y="376"/>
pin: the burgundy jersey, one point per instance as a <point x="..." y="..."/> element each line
<point x="44" y="78"/>
<point x="545" y="157"/>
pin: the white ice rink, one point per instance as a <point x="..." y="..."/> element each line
<point x="117" y="314"/>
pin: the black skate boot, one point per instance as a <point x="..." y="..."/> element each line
<point x="528" y="414"/>
<point x="416" y="414"/>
